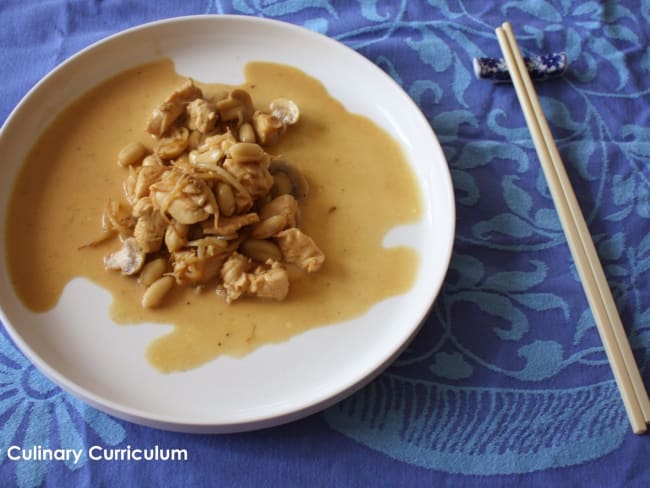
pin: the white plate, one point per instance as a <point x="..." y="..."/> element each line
<point x="80" y="349"/>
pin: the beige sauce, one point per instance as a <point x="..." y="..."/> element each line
<point x="361" y="187"/>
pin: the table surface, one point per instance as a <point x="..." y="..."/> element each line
<point x="507" y="383"/>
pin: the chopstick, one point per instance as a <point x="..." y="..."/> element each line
<point x="599" y="296"/>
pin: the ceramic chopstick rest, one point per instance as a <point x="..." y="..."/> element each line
<point x="540" y="68"/>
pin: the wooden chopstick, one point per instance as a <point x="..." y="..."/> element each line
<point x="592" y="276"/>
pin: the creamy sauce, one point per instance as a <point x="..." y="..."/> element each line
<point x="361" y="186"/>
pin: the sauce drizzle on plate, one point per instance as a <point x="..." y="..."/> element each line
<point x="361" y="187"/>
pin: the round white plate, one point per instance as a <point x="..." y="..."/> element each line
<point x="79" y="348"/>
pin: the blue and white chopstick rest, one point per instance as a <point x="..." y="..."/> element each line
<point x="540" y="68"/>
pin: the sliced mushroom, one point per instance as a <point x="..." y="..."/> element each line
<point x="300" y="187"/>
<point x="286" y="110"/>
<point x="268" y="128"/>
<point x="129" y="259"/>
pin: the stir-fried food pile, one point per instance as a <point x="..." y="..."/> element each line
<point x="207" y="204"/>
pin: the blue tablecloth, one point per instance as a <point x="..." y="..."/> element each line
<point x="507" y="384"/>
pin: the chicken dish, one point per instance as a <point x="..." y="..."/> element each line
<point x="207" y="204"/>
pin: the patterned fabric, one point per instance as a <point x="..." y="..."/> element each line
<point x="507" y="384"/>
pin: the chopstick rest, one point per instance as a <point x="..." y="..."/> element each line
<point x="540" y="68"/>
<point x="593" y="279"/>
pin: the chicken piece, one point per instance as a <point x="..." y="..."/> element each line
<point x="199" y="263"/>
<point x="215" y="176"/>
<point x="268" y="128"/>
<point x="190" y="269"/>
<point x="236" y="107"/>
<point x="201" y="115"/>
<point x="271" y="281"/>
<point x="195" y="140"/>
<point x="234" y="276"/>
<point x="166" y="114"/>
<point x="249" y="164"/>
<point x="142" y="206"/>
<point x="278" y="214"/>
<point x="118" y="217"/>
<point x="298" y="248"/>
<point x="281" y="205"/>
<point x="174" y="144"/>
<point x="212" y="150"/>
<point x="188" y="200"/>
<point x="146" y="176"/>
<point x="149" y="231"/>
<point x="129" y="259"/>
<point x="150" y="226"/>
